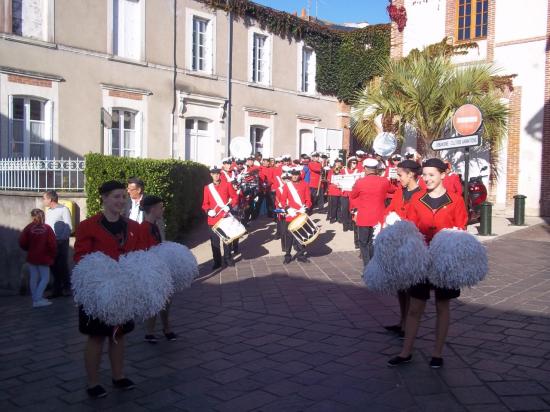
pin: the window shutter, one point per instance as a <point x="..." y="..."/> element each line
<point x="312" y="71"/>
<point x="267" y="60"/>
<point x="209" y="47"/>
<point x="132" y="29"/>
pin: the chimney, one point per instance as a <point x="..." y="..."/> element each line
<point x="304" y="14"/>
<point x="295" y="13"/>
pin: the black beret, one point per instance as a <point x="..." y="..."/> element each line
<point x="109" y="186"/>
<point x="149" y="200"/>
<point x="409" y="164"/>
<point x="435" y="162"/>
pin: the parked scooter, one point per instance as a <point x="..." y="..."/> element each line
<point x="477" y="194"/>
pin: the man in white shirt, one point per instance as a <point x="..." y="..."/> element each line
<point x="58" y="217"/>
<point x="135" y="191"/>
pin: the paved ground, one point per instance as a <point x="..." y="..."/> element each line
<point x="268" y="337"/>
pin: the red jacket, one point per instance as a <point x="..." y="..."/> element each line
<point x="209" y="203"/>
<point x="91" y="237"/>
<point x="266" y="176"/>
<point x="303" y="192"/>
<point x="398" y="203"/>
<point x="333" y="190"/>
<point x="429" y="222"/>
<point x="39" y="241"/>
<point x="314" y="173"/>
<point x="146" y="236"/>
<point x="453" y="184"/>
<point x="368" y="196"/>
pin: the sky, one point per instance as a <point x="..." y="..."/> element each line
<point x="336" y="11"/>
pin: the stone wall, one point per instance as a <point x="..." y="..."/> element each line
<point x="15" y="210"/>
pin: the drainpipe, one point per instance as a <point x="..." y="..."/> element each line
<point x="229" y="77"/>
<point x="174" y="117"/>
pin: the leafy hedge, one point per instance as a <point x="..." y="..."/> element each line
<point x="179" y="183"/>
<point x="346" y="59"/>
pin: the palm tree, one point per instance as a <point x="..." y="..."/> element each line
<point x="422" y="91"/>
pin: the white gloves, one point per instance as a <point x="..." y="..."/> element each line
<point x="326" y="167"/>
<point x="292" y="212"/>
<point x="211" y="213"/>
<point x="226" y="209"/>
<point x="302" y="209"/>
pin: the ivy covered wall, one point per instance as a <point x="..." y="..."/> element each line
<point x="346" y="60"/>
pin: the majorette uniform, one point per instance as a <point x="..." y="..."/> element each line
<point x="368" y="196"/>
<point x="430" y="216"/>
<point x="149" y="234"/>
<point x="315" y="169"/>
<point x="216" y="198"/>
<point x="97" y="234"/>
<point x="334" y="195"/>
<point x="401" y="201"/>
<point x="452" y="183"/>
<point x="296" y="195"/>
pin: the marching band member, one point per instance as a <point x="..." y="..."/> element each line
<point x="266" y="181"/>
<point x="334" y="192"/>
<point x="287" y="160"/>
<point x="296" y="198"/>
<point x="217" y="199"/>
<point x="281" y="223"/>
<point x="315" y="170"/>
<point x="227" y="173"/>
<point x="345" y="209"/>
<point x="114" y="235"/>
<point x="408" y="173"/>
<point x="390" y="173"/>
<point x="431" y="212"/>
<point x="360" y="156"/>
<point x="368" y="195"/>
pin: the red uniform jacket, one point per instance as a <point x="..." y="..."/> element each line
<point x="303" y="192"/>
<point x="398" y="203"/>
<point x="276" y="180"/>
<point x="429" y="222"/>
<point x="333" y="190"/>
<point x="453" y="184"/>
<point x="39" y="241"/>
<point x="314" y="174"/>
<point x="368" y="196"/>
<point x="266" y="176"/>
<point x="225" y="178"/>
<point x="209" y="203"/>
<point x="146" y="235"/>
<point x="91" y="237"/>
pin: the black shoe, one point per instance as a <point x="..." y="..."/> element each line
<point x="398" y="360"/>
<point x="151" y="339"/>
<point x="277" y="237"/>
<point x="97" y="391"/>
<point x="402" y="335"/>
<point x="436" y="363"/>
<point x="287" y="260"/>
<point x="303" y="259"/>
<point x="332" y="221"/>
<point x="216" y="266"/>
<point x="393" y="328"/>
<point x="230" y="262"/>
<point x="124" y="384"/>
<point x="171" y="336"/>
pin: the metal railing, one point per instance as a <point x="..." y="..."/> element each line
<point x="35" y="174"/>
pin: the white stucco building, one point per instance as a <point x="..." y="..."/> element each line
<point x="513" y="36"/>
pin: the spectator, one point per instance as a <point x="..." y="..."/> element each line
<point x="38" y="239"/>
<point x="135" y="191"/>
<point x="58" y="217"/>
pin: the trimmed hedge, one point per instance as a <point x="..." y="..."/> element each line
<point x="179" y="183"/>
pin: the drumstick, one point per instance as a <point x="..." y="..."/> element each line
<point x="221" y="209"/>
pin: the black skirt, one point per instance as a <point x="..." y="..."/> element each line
<point x="94" y="327"/>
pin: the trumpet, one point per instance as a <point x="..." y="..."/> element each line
<point x="337" y="170"/>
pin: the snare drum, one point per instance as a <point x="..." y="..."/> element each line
<point x="304" y="229"/>
<point x="229" y="229"/>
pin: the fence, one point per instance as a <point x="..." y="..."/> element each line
<point x="40" y="174"/>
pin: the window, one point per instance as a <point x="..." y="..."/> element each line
<point x="257" y="139"/>
<point x="472" y="19"/>
<point x="124" y="133"/>
<point x="308" y="70"/>
<point x="28" y="18"/>
<point x="29" y="127"/>
<point x="201" y="58"/>
<point x="127" y="28"/>
<point x="260" y="59"/>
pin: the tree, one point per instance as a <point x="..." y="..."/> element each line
<point x="422" y="91"/>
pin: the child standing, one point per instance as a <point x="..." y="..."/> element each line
<point x="38" y="239"/>
<point x="153" y="209"/>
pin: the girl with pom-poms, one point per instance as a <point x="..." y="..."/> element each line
<point x="110" y="233"/>
<point x="431" y="212"/>
<point x="153" y="209"/>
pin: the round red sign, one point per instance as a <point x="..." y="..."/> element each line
<point x="467" y="120"/>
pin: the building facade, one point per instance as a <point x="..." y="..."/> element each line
<point x="514" y="38"/>
<point x="149" y="78"/>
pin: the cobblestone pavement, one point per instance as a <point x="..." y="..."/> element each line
<point x="268" y="337"/>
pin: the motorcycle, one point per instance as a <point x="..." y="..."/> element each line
<point x="477" y="194"/>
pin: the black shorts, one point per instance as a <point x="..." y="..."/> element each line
<point x="422" y="291"/>
<point x="94" y="327"/>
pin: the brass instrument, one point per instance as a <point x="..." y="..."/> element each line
<point x="337" y="170"/>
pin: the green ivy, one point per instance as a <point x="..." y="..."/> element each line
<point x="346" y="60"/>
<point x="179" y="183"/>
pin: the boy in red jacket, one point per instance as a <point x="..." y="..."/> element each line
<point x="38" y="239"/>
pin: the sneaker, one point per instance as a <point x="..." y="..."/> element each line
<point x="124" y="384"/>
<point x="398" y="360"/>
<point x="436" y="363"/>
<point x="171" y="336"/>
<point x="40" y="303"/>
<point x="97" y="392"/>
<point x="151" y="339"/>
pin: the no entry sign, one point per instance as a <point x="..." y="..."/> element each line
<point x="467" y="120"/>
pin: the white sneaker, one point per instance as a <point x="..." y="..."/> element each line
<point x="41" y="302"/>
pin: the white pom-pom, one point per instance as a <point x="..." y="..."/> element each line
<point x="458" y="259"/>
<point x="151" y="281"/>
<point x="392" y="218"/>
<point x="182" y="263"/>
<point x="400" y="259"/>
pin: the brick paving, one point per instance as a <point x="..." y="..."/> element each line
<point x="302" y="337"/>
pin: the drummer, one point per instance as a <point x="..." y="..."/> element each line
<point x="296" y="199"/>
<point x="217" y="200"/>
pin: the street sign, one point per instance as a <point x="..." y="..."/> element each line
<point x="456" y="142"/>
<point x="467" y="120"/>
